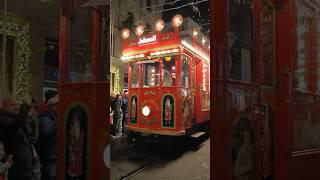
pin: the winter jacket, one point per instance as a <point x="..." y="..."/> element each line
<point x="47" y="141"/>
<point x="124" y="106"/>
<point x="116" y="107"/>
<point x="22" y="157"/>
<point x="9" y="126"/>
<point x="16" y="142"/>
<point x="32" y="129"/>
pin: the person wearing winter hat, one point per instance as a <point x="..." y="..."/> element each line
<point x="48" y="94"/>
<point x="47" y="142"/>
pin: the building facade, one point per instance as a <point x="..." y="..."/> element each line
<point x="129" y="14"/>
<point x="29" y="40"/>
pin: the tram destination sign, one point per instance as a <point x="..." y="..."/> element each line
<point x="146" y="40"/>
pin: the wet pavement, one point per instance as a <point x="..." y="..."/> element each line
<point x="185" y="160"/>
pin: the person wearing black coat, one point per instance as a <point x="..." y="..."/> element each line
<point x="116" y="108"/>
<point x="15" y="140"/>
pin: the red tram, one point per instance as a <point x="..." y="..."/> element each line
<point x="169" y="90"/>
<point x="266" y="80"/>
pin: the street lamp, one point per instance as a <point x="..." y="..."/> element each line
<point x="139" y="30"/>
<point x="125" y="34"/>
<point x="177" y="21"/>
<point x="159" y="25"/>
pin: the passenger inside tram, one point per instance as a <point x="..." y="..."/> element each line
<point x="168" y="75"/>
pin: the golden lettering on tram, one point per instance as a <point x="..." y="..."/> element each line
<point x="149" y="92"/>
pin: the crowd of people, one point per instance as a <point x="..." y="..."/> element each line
<point x="118" y="113"/>
<point x="28" y="138"/>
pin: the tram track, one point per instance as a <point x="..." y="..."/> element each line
<point x="135" y="160"/>
<point x="141" y="168"/>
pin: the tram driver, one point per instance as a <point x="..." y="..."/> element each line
<point x="167" y="78"/>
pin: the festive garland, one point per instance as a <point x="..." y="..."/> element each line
<point x="116" y="83"/>
<point x="22" y="72"/>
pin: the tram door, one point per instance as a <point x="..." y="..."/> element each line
<point x="83" y="129"/>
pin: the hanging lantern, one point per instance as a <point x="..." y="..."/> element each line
<point x="203" y="40"/>
<point x="125" y="33"/>
<point x="159" y="25"/>
<point x="139" y="30"/>
<point x="177" y="21"/>
<point x="168" y="58"/>
<point x="195" y="32"/>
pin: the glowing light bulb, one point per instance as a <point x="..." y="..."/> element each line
<point x="125" y="33"/>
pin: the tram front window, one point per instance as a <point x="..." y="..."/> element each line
<point x="135" y="75"/>
<point x="169" y="71"/>
<point x="151" y="74"/>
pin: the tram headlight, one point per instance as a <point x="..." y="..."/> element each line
<point x="146" y="111"/>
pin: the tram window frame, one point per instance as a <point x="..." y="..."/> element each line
<point x="306" y="46"/>
<point x="80" y="62"/>
<point x="266" y="77"/>
<point x="241" y="45"/>
<point x="143" y="78"/>
<point x="172" y="71"/>
<point x="185" y="60"/>
<point x="205" y="87"/>
<point x="137" y="84"/>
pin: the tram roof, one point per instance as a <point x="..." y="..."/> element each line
<point x="159" y="45"/>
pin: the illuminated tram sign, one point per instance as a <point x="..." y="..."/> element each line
<point x="145" y="40"/>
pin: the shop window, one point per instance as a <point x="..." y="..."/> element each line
<point x="266" y="64"/>
<point x="169" y="71"/>
<point x="9" y="69"/>
<point x="240" y="40"/>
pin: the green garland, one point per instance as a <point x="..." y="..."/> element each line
<point x="116" y="83"/>
<point x="22" y="73"/>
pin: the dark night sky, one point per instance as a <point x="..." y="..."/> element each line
<point x="187" y="11"/>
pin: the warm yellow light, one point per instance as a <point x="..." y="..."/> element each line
<point x="195" y="32"/>
<point x="168" y="58"/>
<point x="139" y="30"/>
<point x="203" y="40"/>
<point x="159" y="25"/>
<point x="177" y="21"/>
<point x="125" y="33"/>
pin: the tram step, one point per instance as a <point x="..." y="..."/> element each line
<point x="197" y="134"/>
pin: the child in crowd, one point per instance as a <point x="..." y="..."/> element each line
<point x="5" y="163"/>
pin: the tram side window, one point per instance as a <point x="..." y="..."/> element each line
<point x="304" y="62"/>
<point x="168" y="71"/>
<point x="185" y="74"/>
<point x="240" y="40"/>
<point x="151" y="74"/>
<point x="205" y="87"/>
<point x="134" y="75"/>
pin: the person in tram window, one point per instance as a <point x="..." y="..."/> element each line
<point x="48" y="139"/>
<point x="167" y="78"/>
